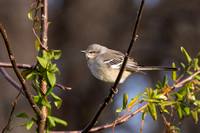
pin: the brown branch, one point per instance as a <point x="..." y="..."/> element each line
<point x="114" y="88"/>
<point x="22" y="66"/>
<point x="42" y="83"/>
<point x="7" y="127"/>
<point x="181" y="83"/>
<point x="21" y="79"/>
<point x="10" y="80"/>
<point x="63" y="87"/>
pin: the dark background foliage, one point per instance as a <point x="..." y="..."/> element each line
<point x="75" y="24"/>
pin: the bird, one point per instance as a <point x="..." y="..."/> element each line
<point x="105" y="64"/>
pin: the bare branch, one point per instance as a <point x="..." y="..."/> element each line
<point x="63" y="87"/>
<point x="10" y="80"/>
<point x="7" y="127"/>
<point x="22" y="66"/>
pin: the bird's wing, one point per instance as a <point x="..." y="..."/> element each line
<point x="115" y="59"/>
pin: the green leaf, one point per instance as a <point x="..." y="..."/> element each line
<point x="159" y="85"/>
<point x="52" y="123"/>
<point x="57" y="100"/>
<point x="178" y="109"/>
<point x="167" y="103"/>
<point x="35" y="88"/>
<point x="186" y="55"/>
<point x="194" y="115"/>
<point x="51" y="78"/>
<point x="160" y="97"/>
<point x="57" y="54"/>
<point x="29" y="124"/>
<point x="22" y="115"/>
<point x="36" y="99"/>
<point x="32" y="75"/>
<point x="30" y="14"/>
<point x="174" y="75"/>
<point x="119" y="109"/>
<point x="125" y="100"/>
<point x="174" y="128"/>
<point x="152" y="110"/>
<point x="59" y="121"/>
<point x="164" y="81"/>
<point x="196" y="66"/>
<point x="42" y="62"/>
<point x="37" y="45"/>
<point x="38" y="27"/>
<point x="134" y="99"/>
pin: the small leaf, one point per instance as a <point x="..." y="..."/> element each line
<point x="164" y="81"/>
<point x="37" y="45"/>
<point x="159" y="85"/>
<point x="178" y="109"/>
<point x="51" y="78"/>
<point x="22" y="115"/>
<point x="30" y="14"/>
<point x="134" y="99"/>
<point x="196" y="66"/>
<point x="57" y="54"/>
<point x="57" y="100"/>
<point x="152" y="110"/>
<point x="59" y="121"/>
<point x="160" y="97"/>
<point x="125" y="100"/>
<point x="29" y="124"/>
<point x="52" y="123"/>
<point x="36" y="99"/>
<point x="174" y="76"/>
<point x="119" y="110"/>
<point x="186" y="55"/>
<point x="42" y="62"/>
<point x="194" y="115"/>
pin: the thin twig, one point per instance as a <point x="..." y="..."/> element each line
<point x="21" y="79"/>
<point x="63" y="87"/>
<point x="114" y="88"/>
<point x="7" y="127"/>
<point x="10" y="80"/>
<point x="181" y="83"/>
<point x="21" y="66"/>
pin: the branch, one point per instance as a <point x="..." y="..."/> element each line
<point x="181" y="83"/>
<point x="21" y="79"/>
<point x="114" y="88"/>
<point x="7" y="127"/>
<point x="10" y="80"/>
<point x="22" y="66"/>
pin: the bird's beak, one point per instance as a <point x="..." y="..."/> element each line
<point x="83" y="51"/>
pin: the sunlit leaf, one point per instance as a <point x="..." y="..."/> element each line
<point x="125" y="100"/>
<point x="42" y="62"/>
<point x="51" y="78"/>
<point x="194" y="115"/>
<point x="174" y="75"/>
<point x="152" y="110"/>
<point x="186" y="55"/>
<point x="119" y="110"/>
<point x="178" y="109"/>
<point x="29" y="124"/>
<point x="30" y="14"/>
<point x="57" y="54"/>
<point x="37" y="45"/>
<point x="134" y="99"/>
<point x="57" y="100"/>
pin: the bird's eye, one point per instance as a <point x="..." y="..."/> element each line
<point x="91" y="52"/>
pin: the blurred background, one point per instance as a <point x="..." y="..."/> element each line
<point x="165" y="27"/>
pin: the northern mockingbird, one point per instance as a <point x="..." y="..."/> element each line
<point x="105" y="64"/>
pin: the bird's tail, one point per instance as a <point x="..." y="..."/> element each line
<point x="160" y="68"/>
